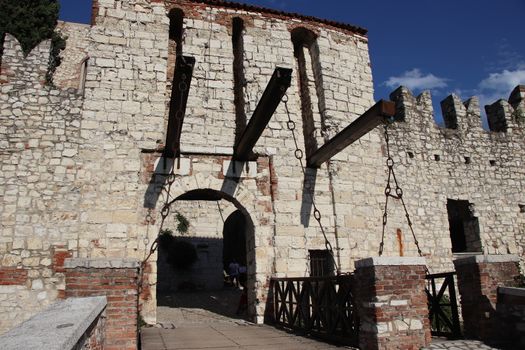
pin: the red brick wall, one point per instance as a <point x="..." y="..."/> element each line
<point x="10" y="276"/>
<point x="392" y="307"/>
<point x="119" y="285"/>
<point x="60" y="254"/>
<point x="96" y="334"/>
<point x="478" y="283"/>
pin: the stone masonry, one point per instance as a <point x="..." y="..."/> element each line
<point x="79" y="170"/>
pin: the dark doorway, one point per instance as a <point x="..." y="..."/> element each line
<point x="464" y="227"/>
<point x="234" y="245"/>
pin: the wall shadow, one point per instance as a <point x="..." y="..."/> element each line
<point x="309" y="181"/>
<point x="158" y="180"/>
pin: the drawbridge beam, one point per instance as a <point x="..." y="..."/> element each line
<point x="274" y="92"/>
<point x="376" y="115"/>
<point x="179" y="97"/>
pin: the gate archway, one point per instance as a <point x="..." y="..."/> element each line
<point x="257" y="211"/>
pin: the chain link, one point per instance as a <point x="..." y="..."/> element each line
<point x="398" y="195"/>
<point x="299" y="155"/>
<point x="166" y="208"/>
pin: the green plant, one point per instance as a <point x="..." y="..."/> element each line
<point x="140" y="321"/>
<point x="29" y="21"/>
<point x="58" y="43"/>
<point x="183" y="223"/>
<point x="447" y="310"/>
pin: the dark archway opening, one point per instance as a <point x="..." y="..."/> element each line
<point x="219" y="228"/>
<point x="234" y="245"/>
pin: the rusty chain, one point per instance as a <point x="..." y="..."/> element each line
<point x="299" y="155"/>
<point x="166" y="208"/>
<point x="398" y="195"/>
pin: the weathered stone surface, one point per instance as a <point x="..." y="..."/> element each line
<point x="77" y="167"/>
<point x="61" y="326"/>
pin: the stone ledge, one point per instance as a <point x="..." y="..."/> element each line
<point x="519" y="292"/>
<point x="87" y="263"/>
<point x="59" y="327"/>
<point x="481" y="259"/>
<point x="390" y="261"/>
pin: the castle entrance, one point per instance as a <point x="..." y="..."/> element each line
<point x="206" y="261"/>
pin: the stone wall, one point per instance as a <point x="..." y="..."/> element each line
<point x="69" y="74"/>
<point x="77" y="171"/>
<point x="40" y="180"/>
<point x="466" y="163"/>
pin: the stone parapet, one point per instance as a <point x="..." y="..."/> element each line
<point x="76" y="323"/>
<point x="392" y="303"/>
<point x="478" y="280"/>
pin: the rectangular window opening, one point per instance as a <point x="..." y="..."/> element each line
<point x="464" y="226"/>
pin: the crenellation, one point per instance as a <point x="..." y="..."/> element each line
<point x="453" y="111"/>
<point x="498" y="115"/>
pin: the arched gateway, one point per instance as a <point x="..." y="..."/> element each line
<point x="184" y="197"/>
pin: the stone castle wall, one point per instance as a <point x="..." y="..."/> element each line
<point x="78" y="171"/>
<point x="40" y="179"/>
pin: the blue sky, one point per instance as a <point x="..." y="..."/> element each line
<point x="469" y="47"/>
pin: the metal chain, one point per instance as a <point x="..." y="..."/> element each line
<point x="166" y="208"/>
<point x="299" y="155"/>
<point x="398" y="195"/>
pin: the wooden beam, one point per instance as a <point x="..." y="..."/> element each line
<point x="274" y="92"/>
<point x="179" y="97"/>
<point x="376" y="115"/>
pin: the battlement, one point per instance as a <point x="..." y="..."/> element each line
<point x="504" y="116"/>
<point x="20" y="69"/>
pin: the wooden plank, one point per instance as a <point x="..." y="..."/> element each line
<point x="179" y="97"/>
<point x="275" y="90"/>
<point x="375" y="116"/>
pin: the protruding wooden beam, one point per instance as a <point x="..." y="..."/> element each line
<point x="179" y="97"/>
<point x="376" y="115"/>
<point x="275" y="90"/>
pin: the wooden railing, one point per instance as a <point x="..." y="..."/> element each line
<point x="318" y="306"/>
<point x="442" y="305"/>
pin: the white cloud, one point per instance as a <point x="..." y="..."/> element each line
<point x="498" y="86"/>
<point x="502" y="83"/>
<point x="415" y="80"/>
